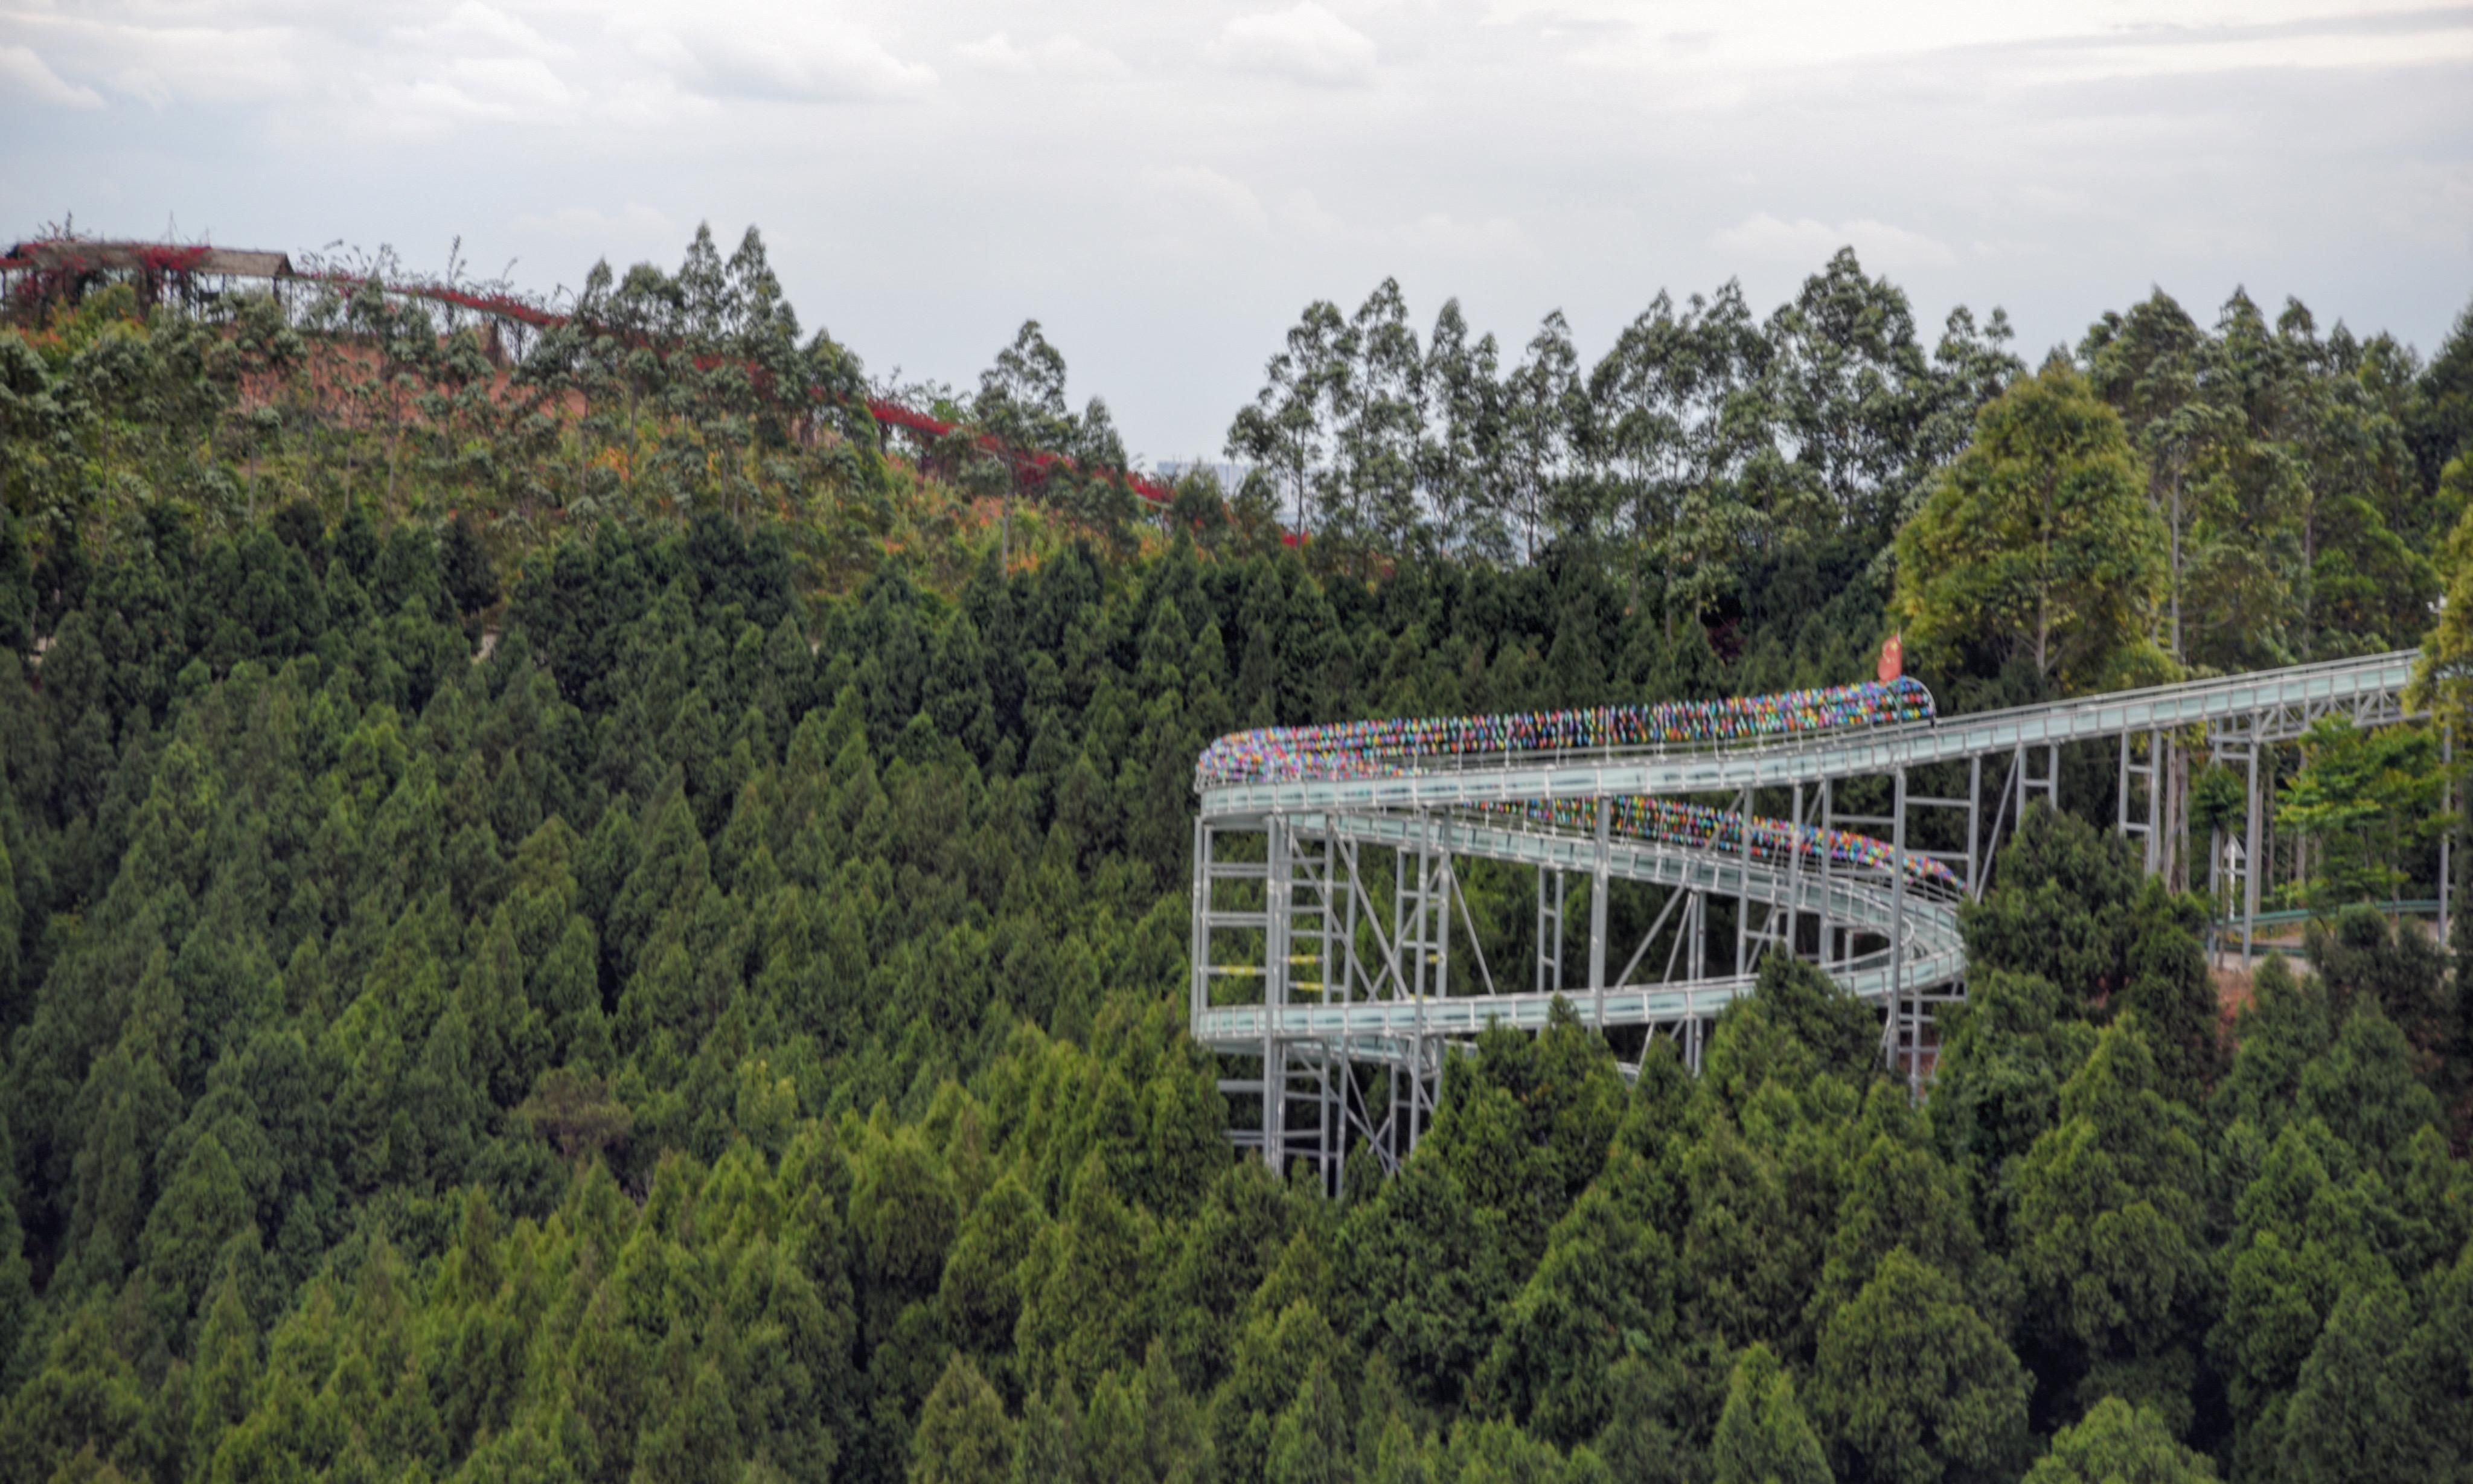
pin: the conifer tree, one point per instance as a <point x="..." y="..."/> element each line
<point x="1762" y="1435"/>
<point x="2118" y="1444"/>
<point x="1913" y="1385"/>
<point x="964" y="1436"/>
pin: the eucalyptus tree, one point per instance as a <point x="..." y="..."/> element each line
<point x="606" y="355"/>
<point x="1288" y="427"/>
<point x="2370" y="584"/>
<point x="1381" y="430"/>
<point x="1021" y="404"/>
<point x="1674" y="429"/>
<point x="2440" y="417"/>
<point x="762" y="338"/>
<point x="1100" y="494"/>
<point x="1848" y="387"/>
<point x="1542" y="403"/>
<point x="2149" y="364"/>
<point x="1464" y="391"/>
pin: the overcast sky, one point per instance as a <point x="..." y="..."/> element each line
<point x="1166" y="184"/>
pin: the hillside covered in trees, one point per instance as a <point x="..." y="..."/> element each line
<point x="614" y="938"/>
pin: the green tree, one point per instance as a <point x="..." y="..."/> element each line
<point x="963" y="1436"/>
<point x="2037" y="545"/>
<point x="1762" y="1436"/>
<point x="1998" y="1086"/>
<point x="1421" y="1268"/>
<point x="694" y="1440"/>
<point x="1913" y="1385"/>
<point x="2060" y="906"/>
<point x="84" y="1396"/>
<point x="2358" y="799"/>
<point x="2109" y="1231"/>
<point x="203" y="1206"/>
<point x="226" y="1371"/>
<point x="2118" y="1444"/>
<point x="1603" y="1290"/>
<point x="2353" y="1416"/>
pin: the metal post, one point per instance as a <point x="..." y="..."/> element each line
<point x="1973" y="820"/>
<point x="1408" y="940"/>
<point x="1550" y="931"/>
<point x="2250" y="861"/>
<point x="1695" y="961"/>
<point x="1795" y="878"/>
<point x="1276" y="905"/>
<point x="1827" y="835"/>
<point x="1327" y="911"/>
<point x="1325" y="916"/>
<point x="2154" y="801"/>
<point x="1597" y="905"/>
<point x="1742" y="811"/>
<point x="1200" y="955"/>
<point x="1347" y="970"/>
<point x="1898" y="931"/>
<point x="2121" y="793"/>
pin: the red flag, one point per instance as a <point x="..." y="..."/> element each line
<point x="1893" y="655"/>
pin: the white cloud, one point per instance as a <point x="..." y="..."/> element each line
<point x="1302" y="214"/>
<point x="1444" y="235"/>
<point x="1304" y="44"/>
<point x="597" y="226"/>
<point x="510" y="84"/>
<point x="162" y="65"/>
<point x="467" y="91"/>
<point x="472" y="24"/>
<point x="1060" y="53"/>
<point x="763" y="51"/>
<point x="1806" y="240"/>
<point x="2104" y="37"/>
<point x="27" y="78"/>
<point x="1189" y="174"/>
<point x="1198" y="188"/>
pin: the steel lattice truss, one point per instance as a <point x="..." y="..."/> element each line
<point x="1335" y="947"/>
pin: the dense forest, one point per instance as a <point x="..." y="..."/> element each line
<point x="596" y="919"/>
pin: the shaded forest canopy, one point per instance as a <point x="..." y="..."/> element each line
<point x="733" y="1031"/>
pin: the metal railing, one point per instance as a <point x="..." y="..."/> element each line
<point x="1837" y="753"/>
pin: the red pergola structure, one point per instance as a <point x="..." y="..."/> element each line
<point x="61" y="268"/>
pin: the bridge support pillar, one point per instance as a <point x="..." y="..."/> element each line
<point x="1343" y="999"/>
<point x="2251" y="864"/>
<point x="1823" y="949"/>
<point x="1278" y="904"/>
<point x="1902" y="1035"/>
<point x="1549" y="930"/>
<point x="1600" y="877"/>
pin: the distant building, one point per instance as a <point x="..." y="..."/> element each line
<point x="1229" y="475"/>
<point x="63" y="269"/>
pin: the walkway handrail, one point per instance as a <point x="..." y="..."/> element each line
<point x="1845" y="752"/>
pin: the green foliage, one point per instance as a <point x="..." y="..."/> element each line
<point x="729" y="1024"/>
<point x="2060" y="907"/>
<point x="2110" y="1239"/>
<point x="1912" y="1384"/>
<point x="1763" y="1436"/>
<point x="2118" y="1444"/>
<point x="964" y="1436"/>
<point x="2037" y="545"/>
<point x="2360" y="799"/>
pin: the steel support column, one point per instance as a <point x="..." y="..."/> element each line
<point x="1898" y="1028"/>
<point x="1600" y="876"/>
<point x="2250" y="863"/>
